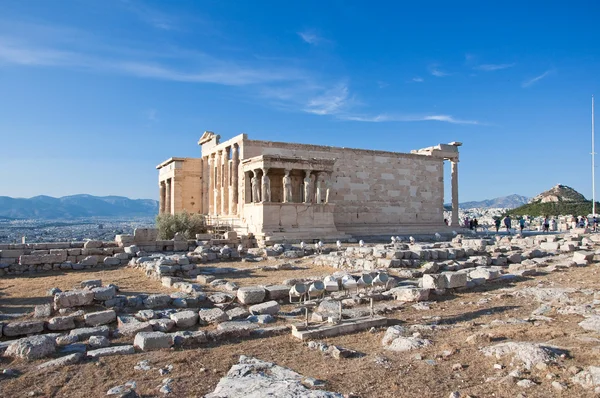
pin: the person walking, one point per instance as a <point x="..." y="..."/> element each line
<point x="497" y="223"/>
<point x="507" y="224"/>
<point x="522" y="224"/>
<point x="546" y="224"/>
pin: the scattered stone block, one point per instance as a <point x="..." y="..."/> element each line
<point x="185" y="319"/>
<point x="583" y="257"/>
<point x="111" y="351"/>
<point x="162" y="325"/>
<point x="270" y="307"/>
<point x="455" y="279"/>
<point x="85" y="333"/>
<point x="22" y="328"/>
<point x="251" y="295"/>
<point x="74" y="298"/>
<point x="100" y="318"/>
<point x="132" y="328"/>
<point x="410" y="294"/>
<point x="188" y="338"/>
<point x="277" y="292"/>
<point x="70" y="359"/>
<point x="213" y="315"/>
<point x="61" y="323"/>
<point x="31" y="348"/>
<point x="238" y="313"/>
<point x="98" y="342"/>
<point x="157" y="301"/>
<point x="42" y="311"/>
<point x="91" y="283"/>
<point x="147" y="341"/>
<point x="434" y="281"/>
<point x="104" y="293"/>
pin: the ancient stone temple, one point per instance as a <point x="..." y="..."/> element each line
<point x="279" y="190"/>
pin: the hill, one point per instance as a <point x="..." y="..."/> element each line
<point x="76" y="206"/>
<point x="559" y="200"/>
<point x="510" y="202"/>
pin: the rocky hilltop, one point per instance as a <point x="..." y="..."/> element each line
<point x="558" y="200"/>
<point x="559" y="193"/>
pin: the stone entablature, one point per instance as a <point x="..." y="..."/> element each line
<point x="371" y="192"/>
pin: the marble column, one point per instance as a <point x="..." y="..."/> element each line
<point x="211" y="184"/>
<point x="235" y="159"/>
<point x="454" y="163"/>
<point x="225" y="181"/>
<point x="169" y="198"/>
<point x="162" y="198"/>
<point x="218" y="174"/>
<point x="201" y="191"/>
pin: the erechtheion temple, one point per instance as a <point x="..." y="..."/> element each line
<point x="279" y="190"/>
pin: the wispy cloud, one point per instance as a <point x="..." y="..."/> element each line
<point x="536" y="79"/>
<point x="407" y="118"/>
<point x="332" y="102"/>
<point x="493" y="67"/>
<point x="436" y="71"/>
<point x="151" y="16"/>
<point x="311" y="36"/>
<point x="417" y="79"/>
<point x="195" y="67"/>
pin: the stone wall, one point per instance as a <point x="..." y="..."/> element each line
<point x="17" y="259"/>
<point x="372" y="187"/>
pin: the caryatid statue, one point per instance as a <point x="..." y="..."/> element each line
<point x="320" y="188"/>
<point x="266" y="186"/>
<point x="327" y="187"/>
<point x="255" y="187"/>
<point x="287" y="187"/>
<point x="308" y="182"/>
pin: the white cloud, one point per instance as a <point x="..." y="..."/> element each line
<point x="151" y="16"/>
<point x="437" y="72"/>
<point x="407" y="118"/>
<point x="195" y="67"/>
<point x="536" y="79"/>
<point x="310" y="36"/>
<point x="332" y="102"/>
<point x="493" y="67"/>
<point x="417" y="79"/>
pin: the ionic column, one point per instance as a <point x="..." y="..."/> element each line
<point x="217" y="191"/>
<point x="454" y="163"/>
<point x="210" y="183"/>
<point x="168" y="200"/>
<point x="235" y="158"/>
<point x="201" y="193"/>
<point x="225" y="182"/>
<point x="162" y="192"/>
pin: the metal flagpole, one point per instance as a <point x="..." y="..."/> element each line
<point x="593" y="165"/>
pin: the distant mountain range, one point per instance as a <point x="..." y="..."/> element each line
<point x="509" y="202"/>
<point x="76" y="206"/>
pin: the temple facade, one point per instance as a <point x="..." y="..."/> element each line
<point x="279" y="190"/>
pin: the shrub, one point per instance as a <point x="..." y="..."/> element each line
<point x="189" y="224"/>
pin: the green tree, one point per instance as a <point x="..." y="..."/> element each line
<point x="188" y="224"/>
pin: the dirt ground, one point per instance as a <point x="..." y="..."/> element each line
<point x="429" y="372"/>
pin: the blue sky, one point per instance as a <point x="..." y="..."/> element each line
<point x="97" y="93"/>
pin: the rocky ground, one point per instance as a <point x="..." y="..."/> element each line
<point x="529" y="336"/>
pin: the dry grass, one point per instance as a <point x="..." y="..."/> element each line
<point x="197" y="371"/>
